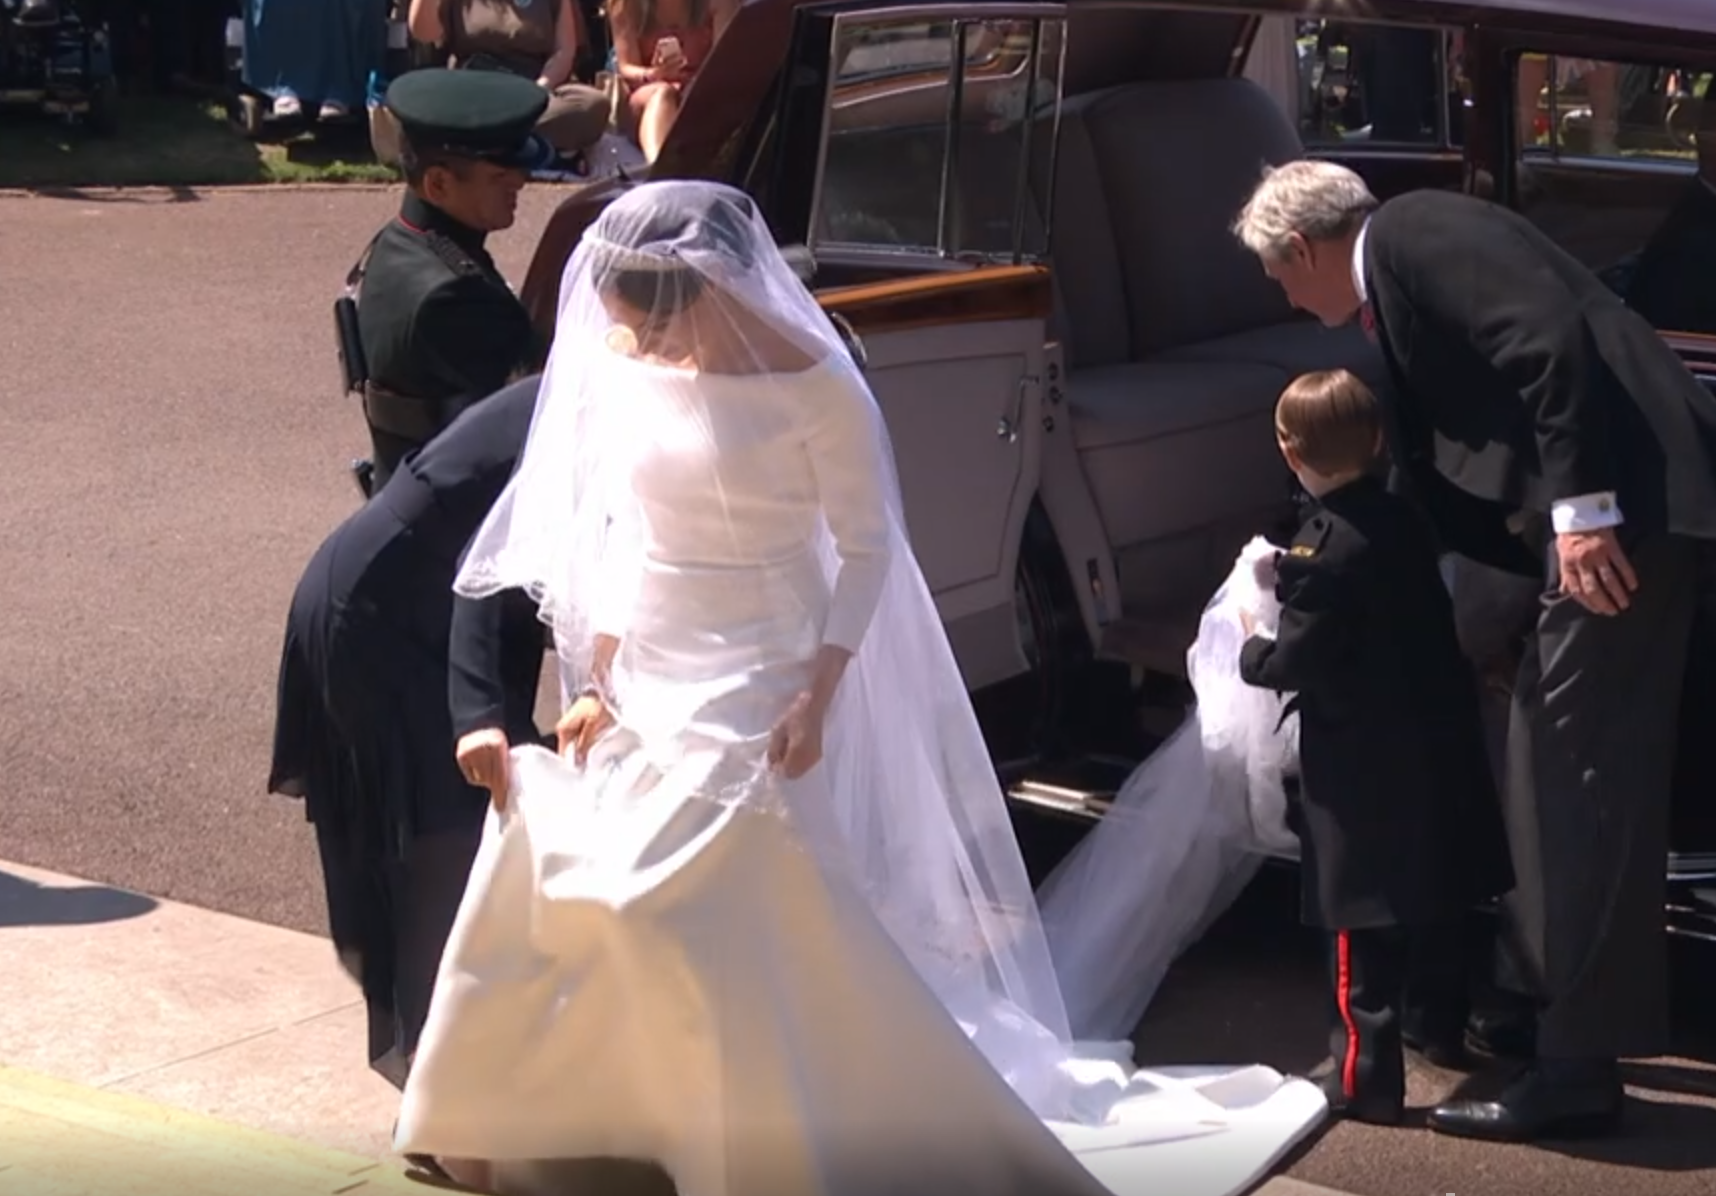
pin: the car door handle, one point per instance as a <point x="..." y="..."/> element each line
<point x="1008" y="428"/>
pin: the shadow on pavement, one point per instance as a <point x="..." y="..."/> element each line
<point x="1660" y="1135"/>
<point x="26" y="903"/>
<point x="1250" y="991"/>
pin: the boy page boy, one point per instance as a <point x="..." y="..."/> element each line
<point x="1400" y="822"/>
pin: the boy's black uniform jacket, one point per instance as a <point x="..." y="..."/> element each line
<point x="1401" y="823"/>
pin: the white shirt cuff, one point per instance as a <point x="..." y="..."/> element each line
<point x="1585" y="513"/>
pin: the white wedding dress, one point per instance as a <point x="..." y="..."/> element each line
<point x="830" y="986"/>
<point x="649" y="971"/>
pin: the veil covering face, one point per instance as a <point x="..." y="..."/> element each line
<point x="701" y="421"/>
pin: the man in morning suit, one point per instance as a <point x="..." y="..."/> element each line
<point x="1541" y="424"/>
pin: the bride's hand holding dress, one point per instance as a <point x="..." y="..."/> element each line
<point x="585" y="722"/>
<point x="795" y="747"/>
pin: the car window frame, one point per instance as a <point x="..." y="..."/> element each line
<point x="1508" y="46"/>
<point x="1523" y="45"/>
<point x="940" y="257"/>
<point x="1443" y="146"/>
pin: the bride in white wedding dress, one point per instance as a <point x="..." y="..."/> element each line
<point x="764" y="922"/>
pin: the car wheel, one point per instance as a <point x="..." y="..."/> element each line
<point x="1051" y="634"/>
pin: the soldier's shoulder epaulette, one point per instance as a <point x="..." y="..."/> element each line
<point x="1312" y="536"/>
<point x="456" y="259"/>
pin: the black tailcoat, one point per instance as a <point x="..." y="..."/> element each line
<point x="369" y="707"/>
<point x="1523" y="380"/>
<point x="1401" y="825"/>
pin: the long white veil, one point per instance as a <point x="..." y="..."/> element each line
<point x="676" y="273"/>
<point x="1186" y="832"/>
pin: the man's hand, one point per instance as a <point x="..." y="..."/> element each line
<point x="581" y="726"/>
<point x="1595" y="572"/>
<point x="482" y="757"/>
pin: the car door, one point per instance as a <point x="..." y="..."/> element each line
<point x="928" y="123"/>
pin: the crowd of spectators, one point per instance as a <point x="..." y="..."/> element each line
<point x="608" y="65"/>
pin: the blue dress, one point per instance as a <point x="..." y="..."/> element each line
<point x="320" y="51"/>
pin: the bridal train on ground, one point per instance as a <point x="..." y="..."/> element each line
<point x="689" y="949"/>
<point x="1187" y="831"/>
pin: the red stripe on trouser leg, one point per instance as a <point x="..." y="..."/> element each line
<point x="1344" y="1001"/>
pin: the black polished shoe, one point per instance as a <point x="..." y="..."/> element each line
<point x="1503" y="1034"/>
<point x="1551" y="1099"/>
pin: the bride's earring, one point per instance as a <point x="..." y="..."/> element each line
<point x="623" y="340"/>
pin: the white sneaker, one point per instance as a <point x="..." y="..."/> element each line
<point x="333" y="110"/>
<point x="286" y="107"/>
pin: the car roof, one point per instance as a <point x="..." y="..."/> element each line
<point x="1685" y="16"/>
<point x="1688" y="16"/>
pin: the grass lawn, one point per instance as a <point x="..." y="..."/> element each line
<point x="174" y="143"/>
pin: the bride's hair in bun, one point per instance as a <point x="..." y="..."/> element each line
<point x="657" y="247"/>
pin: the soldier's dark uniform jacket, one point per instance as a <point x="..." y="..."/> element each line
<point x="439" y="326"/>
<point x="382" y="669"/>
<point x="1398" y="815"/>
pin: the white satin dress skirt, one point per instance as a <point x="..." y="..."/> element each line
<point x="661" y="958"/>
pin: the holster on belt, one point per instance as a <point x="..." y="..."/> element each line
<point x="408" y="417"/>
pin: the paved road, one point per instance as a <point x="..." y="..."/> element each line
<point x="172" y="449"/>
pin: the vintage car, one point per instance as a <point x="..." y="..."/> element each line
<point x="1022" y="209"/>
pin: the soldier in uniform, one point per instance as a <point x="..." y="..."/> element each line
<point x="396" y="700"/>
<point x="438" y="325"/>
<point x="1401" y="825"/>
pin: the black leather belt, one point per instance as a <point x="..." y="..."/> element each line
<point x="407" y="416"/>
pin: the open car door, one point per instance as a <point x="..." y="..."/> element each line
<point x="928" y="127"/>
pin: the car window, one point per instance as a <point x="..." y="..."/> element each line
<point x="931" y="125"/>
<point x="1357" y="85"/>
<point x="1609" y="166"/>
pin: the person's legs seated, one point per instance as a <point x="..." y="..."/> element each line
<point x="575" y="119"/>
<point x="286" y="104"/>
<point x="653" y="109"/>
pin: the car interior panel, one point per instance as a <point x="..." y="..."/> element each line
<point x="1390" y="172"/>
<point x="1597" y="210"/>
<point x="1177" y="344"/>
